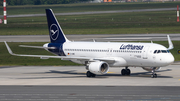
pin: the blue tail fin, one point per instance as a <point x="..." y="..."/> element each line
<point x="55" y="32"/>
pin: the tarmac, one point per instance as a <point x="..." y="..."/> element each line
<point x="76" y="76"/>
<point x="89" y="93"/>
<point x="69" y="83"/>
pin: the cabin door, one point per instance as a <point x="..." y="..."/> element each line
<point x="145" y="52"/>
<point x="110" y="50"/>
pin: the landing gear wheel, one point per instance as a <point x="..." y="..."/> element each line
<point x="125" y="72"/>
<point x="93" y="75"/>
<point x="89" y="74"/>
<point x="128" y="71"/>
<point x="154" y="75"/>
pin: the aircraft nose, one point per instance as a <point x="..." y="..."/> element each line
<point x="169" y="59"/>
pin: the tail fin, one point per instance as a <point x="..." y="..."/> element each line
<point x="55" y="32"/>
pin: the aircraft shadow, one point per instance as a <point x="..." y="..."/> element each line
<point x="6" y="67"/>
<point x="75" y="74"/>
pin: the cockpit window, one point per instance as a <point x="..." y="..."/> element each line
<point x="155" y="51"/>
<point x="161" y="51"/>
<point x="158" y="51"/>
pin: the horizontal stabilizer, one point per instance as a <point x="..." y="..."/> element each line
<point x="37" y="47"/>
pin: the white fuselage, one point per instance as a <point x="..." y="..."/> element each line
<point x="125" y="54"/>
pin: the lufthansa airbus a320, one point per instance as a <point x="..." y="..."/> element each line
<point x="99" y="56"/>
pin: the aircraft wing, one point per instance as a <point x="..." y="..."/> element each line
<point x="108" y="60"/>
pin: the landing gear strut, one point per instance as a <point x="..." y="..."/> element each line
<point x="154" y="75"/>
<point x="125" y="71"/>
<point x="89" y="74"/>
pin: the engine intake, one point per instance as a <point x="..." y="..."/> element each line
<point x="98" y="67"/>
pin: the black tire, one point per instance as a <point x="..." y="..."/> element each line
<point x="128" y="71"/>
<point x="88" y="74"/>
<point x="93" y="75"/>
<point x="152" y="76"/>
<point x="155" y="75"/>
<point x="123" y="72"/>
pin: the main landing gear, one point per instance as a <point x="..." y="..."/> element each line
<point x="154" y="75"/>
<point x="125" y="71"/>
<point x="89" y="74"/>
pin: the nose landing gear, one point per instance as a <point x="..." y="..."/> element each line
<point x="154" y="75"/>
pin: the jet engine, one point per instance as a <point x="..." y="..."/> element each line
<point x="98" y="67"/>
<point x="151" y="68"/>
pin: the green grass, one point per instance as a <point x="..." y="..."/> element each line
<point x="7" y="59"/>
<point x="118" y="23"/>
<point x="61" y="8"/>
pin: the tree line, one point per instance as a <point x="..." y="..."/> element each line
<point x="39" y="2"/>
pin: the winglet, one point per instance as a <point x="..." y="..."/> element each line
<point x="170" y="43"/>
<point x="151" y="41"/>
<point x="9" y="49"/>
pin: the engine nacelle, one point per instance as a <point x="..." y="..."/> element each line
<point x="151" y="68"/>
<point x="98" y="67"/>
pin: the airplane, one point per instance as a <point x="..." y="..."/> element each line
<point x="98" y="57"/>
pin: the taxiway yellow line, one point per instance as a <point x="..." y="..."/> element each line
<point x="110" y="72"/>
<point x="107" y="72"/>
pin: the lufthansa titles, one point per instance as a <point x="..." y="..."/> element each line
<point x="132" y="47"/>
